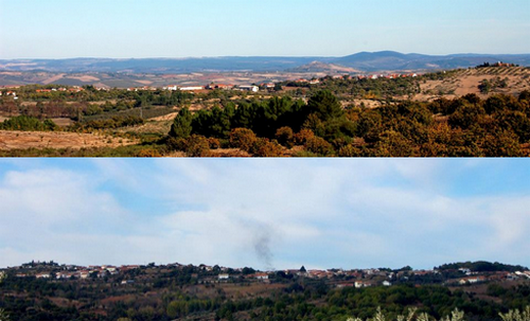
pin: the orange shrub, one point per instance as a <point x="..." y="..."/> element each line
<point x="242" y="138"/>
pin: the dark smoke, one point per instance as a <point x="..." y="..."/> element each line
<point x="262" y="242"/>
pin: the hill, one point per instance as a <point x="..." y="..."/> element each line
<point x="321" y="67"/>
<point x="391" y="60"/>
<point x="363" y="61"/>
<point x="49" y="291"/>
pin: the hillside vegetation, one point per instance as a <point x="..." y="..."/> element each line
<point x="395" y="115"/>
<point x="49" y="291"/>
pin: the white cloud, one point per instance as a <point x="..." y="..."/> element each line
<point x="260" y="213"/>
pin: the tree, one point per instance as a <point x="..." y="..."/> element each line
<point x="325" y="105"/>
<point x="181" y="127"/>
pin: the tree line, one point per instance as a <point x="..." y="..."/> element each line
<point x="465" y="126"/>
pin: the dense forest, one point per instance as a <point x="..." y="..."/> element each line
<point x="466" y="126"/>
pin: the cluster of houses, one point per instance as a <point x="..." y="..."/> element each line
<point x="80" y="272"/>
<point x="376" y="277"/>
<point x="74" y="89"/>
<point x="251" y="88"/>
<point x="10" y="93"/>
<point x="213" y="86"/>
<point x="340" y="278"/>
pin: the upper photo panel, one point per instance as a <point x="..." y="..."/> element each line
<point x="233" y="78"/>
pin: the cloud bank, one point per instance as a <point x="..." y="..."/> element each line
<point x="266" y="213"/>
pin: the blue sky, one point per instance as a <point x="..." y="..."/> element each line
<point x="265" y="213"/>
<point x="195" y="28"/>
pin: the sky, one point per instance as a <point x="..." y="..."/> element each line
<point x="199" y="28"/>
<point x="265" y="213"/>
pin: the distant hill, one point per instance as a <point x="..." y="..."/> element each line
<point x="391" y="60"/>
<point x="317" y="66"/>
<point x="363" y="62"/>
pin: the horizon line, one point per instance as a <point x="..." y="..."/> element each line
<point x="264" y="56"/>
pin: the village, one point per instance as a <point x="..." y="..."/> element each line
<point x="206" y="274"/>
<point x="8" y="90"/>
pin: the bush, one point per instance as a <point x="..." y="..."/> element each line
<point x="301" y="137"/>
<point x="265" y="148"/>
<point x="350" y="151"/>
<point x="180" y="143"/>
<point x="198" y="146"/>
<point x="214" y="143"/>
<point x="243" y="138"/>
<point x="319" y="146"/>
<point x="28" y="123"/>
<point x="148" y="152"/>
<point x="285" y="136"/>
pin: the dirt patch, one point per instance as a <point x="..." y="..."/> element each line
<point x="467" y="82"/>
<point x="62" y="122"/>
<point x="167" y="117"/>
<point x="250" y="290"/>
<point x="53" y="79"/>
<point x="23" y="140"/>
<point x="85" y="78"/>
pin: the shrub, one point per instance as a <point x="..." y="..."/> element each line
<point x="242" y="138"/>
<point x="214" y="143"/>
<point x="301" y="137"/>
<point x="177" y="143"/>
<point x="198" y="146"/>
<point x="262" y="147"/>
<point x="28" y="123"/>
<point x="319" y="146"/>
<point x="148" y="152"/>
<point x="350" y="151"/>
<point x="285" y="136"/>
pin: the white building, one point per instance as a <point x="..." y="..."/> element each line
<point x="251" y="88"/>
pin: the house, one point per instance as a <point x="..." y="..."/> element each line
<point x="386" y="283"/>
<point x="471" y="280"/>
<point x="261" y="276"/>
<point x="191" y="88"/>
<point x="465" y="271"/>
<point x="223" y="276"/>
<point x="84" y="274"/>
<point x="362" y="284"/>
<point x="251" y="88"/>
<point x="64" y="275"/>
<point x="268" y="85"/>
<point x="525" y="274"/>
<point x="43" y="276"/>
<point x="170" y="87"/>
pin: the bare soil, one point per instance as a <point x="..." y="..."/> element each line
<point x="23" y="140"/>
<point x="467" y="81"/>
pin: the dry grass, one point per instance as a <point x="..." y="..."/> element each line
<point x="22" y="140"/>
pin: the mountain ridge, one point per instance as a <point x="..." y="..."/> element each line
<point x="362" y="61"/>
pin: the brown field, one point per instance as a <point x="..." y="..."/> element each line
<point x="23" y="140"/>
<point x="467" y="81"/>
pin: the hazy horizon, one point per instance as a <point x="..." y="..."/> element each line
<point x="272" y="56"/>
<point x="57" y="29"/>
